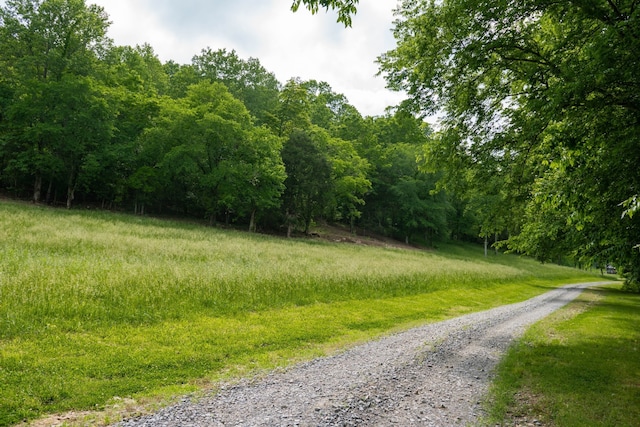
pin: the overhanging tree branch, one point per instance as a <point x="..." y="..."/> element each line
<point x="345" y="8"/>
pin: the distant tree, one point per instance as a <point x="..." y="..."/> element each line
<point x="293" y="111"/>
<point x="138" y="69"/>
<point x="350" y="125"/>
<point x="326" y="106"/>
<point x="214" y="131"/>
<point x="308" y="181"/>
<point x="135" y="79"/>
<point x="247" y="80"/>
<point x="261" y="175"/>
<point x="204" y="154"/>
<point x="404" y="200"/>
<point x="348" y="177"/>
<point x="180" y="78"/>
<point x="56" y="116"/>
<point x="162" y="177"/>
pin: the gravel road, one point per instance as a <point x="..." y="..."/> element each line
<point x="434" y="375"/>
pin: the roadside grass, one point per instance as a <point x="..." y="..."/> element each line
<point x="97" y="307"/>
<point x="578" y="367"/>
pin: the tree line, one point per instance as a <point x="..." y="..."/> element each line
<point x="87" y="123"/>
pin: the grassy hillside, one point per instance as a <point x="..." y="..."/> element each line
<point x="96" y="307"/>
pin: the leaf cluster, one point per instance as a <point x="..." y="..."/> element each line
<point x="345" y="8"/>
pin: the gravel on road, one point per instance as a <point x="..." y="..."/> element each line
<point x="433" y="375"/>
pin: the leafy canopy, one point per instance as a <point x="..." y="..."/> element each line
<point x="543" y="94"/>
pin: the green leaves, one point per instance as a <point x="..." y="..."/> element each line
<point x="47" y="38"/>
<point x="540" y="109"/>
<point x="47" y="51"/>
<point x="246" y="80"/>
<point x="631" y="205"/>
<point x="345" y="8"/>
<point x="207" y="143"/>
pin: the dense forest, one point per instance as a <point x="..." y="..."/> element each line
<point x="538" y="149"/>
<point x="89" y="124"/>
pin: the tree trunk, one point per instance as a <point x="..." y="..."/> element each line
<point x="252" y="222"/>
<point x="290" y="221"/>
<point x="71" y="189"/>
<point x="307" y="220"/>
<point x="70" y="195"/>
<point x="49" y="190"/>
<point x="486" y="245"/>
<point x="213" y="219"/>
<point x="37" y="188"/>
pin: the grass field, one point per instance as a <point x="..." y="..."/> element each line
<point x="578" y="367"/>
<point x="97" y="308"/>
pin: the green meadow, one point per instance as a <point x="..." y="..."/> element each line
<point x="98" y="308"/>
<point x="578" y="367"/>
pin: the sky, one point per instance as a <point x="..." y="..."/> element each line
<point x="287" y="44"/>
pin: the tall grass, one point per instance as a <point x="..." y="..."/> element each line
<point x="95" y="305"/>
<point x="81" y="270"/>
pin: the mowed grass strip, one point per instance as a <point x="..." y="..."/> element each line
<point x="579" y="367"/>
<point x="95" y="305"/>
